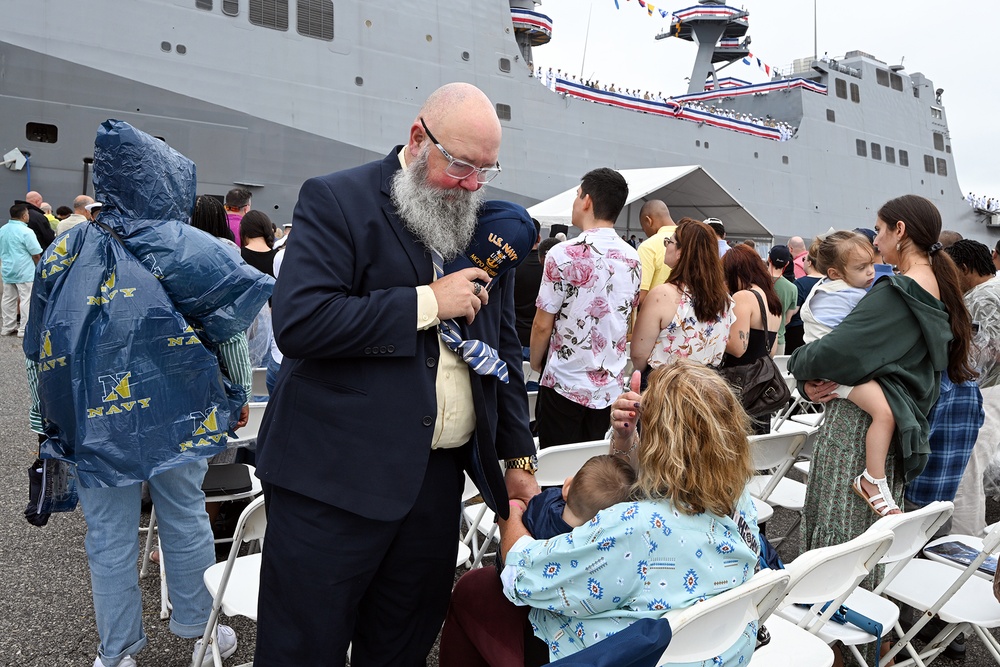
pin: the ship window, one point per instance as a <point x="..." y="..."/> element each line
<point x="269" y="13"/>
<point x="831" y="116"/>
<point x="315" y="19"/>
<point x="896" y="81"/>
<point x="466" y="56"/>
<point x="938" y="141"/>
<point x="904" y="159"/>
<point x="947" y="149"/>
<point x="503" y="111"/>
<point x="181" y="49"/>
<point x="929" y="164"/>
<point x="706" y="144"/>
<point x="890" y="155"/>
<point x="784" y="159"/>
<point x="41" y="132"/>
<point x="841" y="87"/>
<point x="165" y="47"/>
<point x="203" y="4"/>
<point x="936" y="112"/>
<point x="942" y="167"/>
<point x="916" y="91"/>
<point x="359" y="81"/>
<point x="882" y="77"/>
<point x="855" y="93"/>
<point x="231" y="7"/>
<point x="505" y="64"/>
<point x="876" y="151"/>
<point x="697" y="142"/>
<point x="862" y="148"/>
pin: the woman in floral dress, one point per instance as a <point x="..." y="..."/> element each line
<point x="687" y="317"/>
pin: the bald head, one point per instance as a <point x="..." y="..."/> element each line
<point x="796" y="245"/>
<point x="33" y="198"/>
<point x="80" y="203"/>
<point x="464" y="122"/>
<point x="653" y="216"/>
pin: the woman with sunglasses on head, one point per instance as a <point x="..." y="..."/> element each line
<point x="689" y="316"/>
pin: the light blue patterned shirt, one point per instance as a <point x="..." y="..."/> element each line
<point x="633" y="560"/>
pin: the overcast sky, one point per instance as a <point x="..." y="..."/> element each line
<point x="950" y="43"/>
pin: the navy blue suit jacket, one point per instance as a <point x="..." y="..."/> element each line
<point x="352" y="415"/>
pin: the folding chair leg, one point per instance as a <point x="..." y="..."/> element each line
<point x="148" y="547"/>
<point x="164" y="593"/>
<point x="486" y="541"/>
<point x="989" y="641"/>
<point x="209" y="638"/>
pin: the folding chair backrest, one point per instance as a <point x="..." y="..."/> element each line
<point x="832" y="573"/>
<point x="772" y="450"/>
<point x="992" y="539"/>
<point x="912" y="530"/>
<point x="781" y="361"/>
<point x="252" y="523"/>
<point x="557" y="463"/>
<point x="706" y="629"/>
<point x="259" y="382"/>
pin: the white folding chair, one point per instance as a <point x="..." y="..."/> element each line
<point x="529" y="375"/>
<point x="960" y="599"/>
<point x="557" y="463"/>
<point x="234" y="584"/>
<point x="777" y="453"/>
<point x="781" y="361"/>
<point x="706" y="629"/>
<point x="258" y="385"/>
<point x="480" y="522"/>
<point x="830" y="575"/>
<point x="910" y="532"/>
<point x="532" y="404"/>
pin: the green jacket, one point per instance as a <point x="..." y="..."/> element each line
<point x="898" y="334"/>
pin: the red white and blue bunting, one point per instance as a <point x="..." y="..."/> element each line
<point x="753" y="89"/>
<point x="525" y="19"/>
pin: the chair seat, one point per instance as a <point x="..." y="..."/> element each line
<point x="241" y="594"/>
<point x="788" y="640"/>
<point x="975" y="542"/>
<point x="764" y="511"/>
<point x="788" y="493"/>
<point x="464" y="554"/>
<point x="922" y="582"/>
<point x="864" y="602"/>
<point x="808" y="418"/>
<point x="802" y="467"/>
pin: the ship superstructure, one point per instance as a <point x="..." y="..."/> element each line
<point x="266" y="93"/>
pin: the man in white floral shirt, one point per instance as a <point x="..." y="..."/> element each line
<point x="588" y="290"/>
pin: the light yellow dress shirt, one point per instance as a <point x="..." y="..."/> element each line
<point x="456" y="415"/>
<point x="654" y="271"/>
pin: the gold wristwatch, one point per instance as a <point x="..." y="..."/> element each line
<point x="529" y="463"/>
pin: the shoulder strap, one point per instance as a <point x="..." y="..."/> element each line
<point x="763" y="313"/>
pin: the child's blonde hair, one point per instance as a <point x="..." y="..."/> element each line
<point x="833" y="251"/>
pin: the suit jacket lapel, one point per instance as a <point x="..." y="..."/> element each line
<point x="418" y="255"/>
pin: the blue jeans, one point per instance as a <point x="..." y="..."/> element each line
<point x="112" y="545"/>
<point x="272" y="373"/>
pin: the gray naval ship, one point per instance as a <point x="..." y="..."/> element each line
<point x="266" y="93"/>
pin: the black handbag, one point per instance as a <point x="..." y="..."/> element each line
<point x="759" y="385"/>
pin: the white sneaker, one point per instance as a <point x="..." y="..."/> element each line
<point x="225" y="636"/>
<point x="127" y="661"/>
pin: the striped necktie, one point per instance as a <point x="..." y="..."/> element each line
<point x="482" y="358"/>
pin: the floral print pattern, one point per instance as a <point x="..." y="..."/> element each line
<point x="687" y="337"/>
<point x="590" y="284"/>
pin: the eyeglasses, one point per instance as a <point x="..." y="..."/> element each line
<point x="461" y="170"/>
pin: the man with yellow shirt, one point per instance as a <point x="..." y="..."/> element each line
<point x="658" y="226"/>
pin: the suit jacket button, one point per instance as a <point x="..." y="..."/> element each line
<point x="368" y="350"/>
<point x="383" y="349"/>
<point x="428" y="421"/>
<point x="431" y="362"/>
<point x="391" y="349"/>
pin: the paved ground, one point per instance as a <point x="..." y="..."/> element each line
<point x="46" y="618"/>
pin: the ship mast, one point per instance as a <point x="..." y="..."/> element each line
<point x="717" y="30"/>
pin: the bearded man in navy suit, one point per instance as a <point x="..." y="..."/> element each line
<point x="374" y="418"/>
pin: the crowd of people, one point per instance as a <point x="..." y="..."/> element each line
<point x="394" y="342"/>
<point x="786" y="130"/>
<point x="982" y="203"/>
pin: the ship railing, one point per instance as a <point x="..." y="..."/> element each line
<point x="757" y="88"/>
<point x="671" y="108"/>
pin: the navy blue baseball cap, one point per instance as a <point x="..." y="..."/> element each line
<point x="504" y="236"/>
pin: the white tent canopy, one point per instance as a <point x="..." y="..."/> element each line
<point x="688" y="191"/>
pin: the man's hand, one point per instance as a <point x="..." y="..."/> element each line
<point x="458" y="296"/>
<point x="821" y="391"/>
<point x="521" y="485"/>
<point x="244" y="416"/>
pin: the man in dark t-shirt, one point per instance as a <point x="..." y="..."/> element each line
<point x="527" y="278"/>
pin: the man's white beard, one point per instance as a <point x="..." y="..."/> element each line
<point x="441" y="219"/>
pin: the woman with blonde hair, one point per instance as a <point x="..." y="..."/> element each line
<point x="689" y="533"/>
<point x="687" y="317"/>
